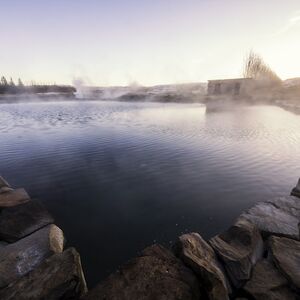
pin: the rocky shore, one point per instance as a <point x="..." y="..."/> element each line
<point x="258" y="257"/>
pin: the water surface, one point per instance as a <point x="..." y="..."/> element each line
<point x="119" y="176"/>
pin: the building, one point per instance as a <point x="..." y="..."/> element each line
<point x="231" y="87"/>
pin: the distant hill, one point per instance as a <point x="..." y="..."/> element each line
<point x="292" y="82"/>
<point x="162" y="93"/>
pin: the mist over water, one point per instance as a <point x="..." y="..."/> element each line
<point x="120" y="176"/>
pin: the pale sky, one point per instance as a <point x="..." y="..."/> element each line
<point x="147" y="42"/>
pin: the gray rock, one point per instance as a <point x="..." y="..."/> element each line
<point x="296" y="190"/>
<point x="286" y="256"/>
<point x="289" y="204"/>
<point x="201" y="258"/>
<point x="18" y="221"/>
<point x="5" y="189"/>
<point x="3" y="183"/>
<point x="58" y="277"/>
<point x="156" y="274"/>
<point x="21" y="257"/>
<point x="267" y="283"/>
<point x="271" y="220"/>
<point x="239" y="248"/>
<point x="14" y="197"/>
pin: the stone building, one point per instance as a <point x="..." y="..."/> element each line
<point x="231" y="87"/>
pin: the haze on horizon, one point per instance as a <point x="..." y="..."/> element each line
<point x="157" y="42"/>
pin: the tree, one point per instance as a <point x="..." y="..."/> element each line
<point x="255" y="67"/>
<point x="4" y="81"/>
<point x="11" y="82"/>
<point x="20" y="83"/>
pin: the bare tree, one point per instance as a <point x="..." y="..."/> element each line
<point x="255" y="67"/>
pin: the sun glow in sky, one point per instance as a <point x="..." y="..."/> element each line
<point x="148" y="42"/>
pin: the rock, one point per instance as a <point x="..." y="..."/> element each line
<point x="267" y="283"/>
<point x="13" y="198"/>
<point x="5" y="189"/>
<point x="3" y="183"/>
<point x="3" y="244"/>
<point x="21" y="257"/>
<point x="271" y="220"/>
<point x="58" y="277"/>
<point x="289" y="204"/>
<point x="201" y="258"/>
<point x="239" y="248"/>
<point x="156" y="274"/>
<point x="296" y="190"/>
<point x="18" y="221"/>
<point x="286" y="256"/>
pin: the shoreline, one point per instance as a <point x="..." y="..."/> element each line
<point x="252" y="259"/>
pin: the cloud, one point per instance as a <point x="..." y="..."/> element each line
<point x="293" y="22"/>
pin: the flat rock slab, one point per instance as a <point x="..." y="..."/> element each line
<point x="286" y="255"/>
<point x="271" y="220"/>
<point x="3" y="183"/>
<point x="14" y="197"/>
<point x="156" y="274"/>
<point x="58" y="277"/>
<point x="289" y="204"/>
<point x="267" y="283"/>
<point x="19" y="221"/>
<point x="19" y="258"/>
<point x="200" y="257"/>
<point x="239" y="248"/>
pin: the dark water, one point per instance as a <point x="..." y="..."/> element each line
<point x="120" y="176"/>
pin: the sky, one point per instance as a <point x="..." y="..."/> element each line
<point x="145" y="42"/>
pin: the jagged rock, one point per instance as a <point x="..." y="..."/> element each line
<point x="156" y="274"/>
<point x="289" y="204"/>
<point x="296" y="190"/>
<point x="14" y="197"/>
<point x="58" y="277"/>
<point x="239" y="248"/>
<point x="271" y="220"/>
<point x="18" y="221"/>
<point x="200" y="257"/>
<point x="3" y="183"/>
<point x="21" y="257"/>
<point x="286" y="255"/>
<point x="267" y="283"/>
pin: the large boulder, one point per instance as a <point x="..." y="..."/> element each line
<point x="289" y="204"/>
<point x="296" y="190"/>
<point x="286" y="255"/>
<point x="21" y="257"/>
<point x="19" y="221"/>
<point x="239" y="248"/>
<point x="201" y="258"/>
<point x="156" y="274"/>
<point x="13" y="197"/>
<point x="271" y="220"/>
<point x="267" y="283"/>
<point x="58" y="277"/>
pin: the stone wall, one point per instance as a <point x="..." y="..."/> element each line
<point x="258" y="257"/>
